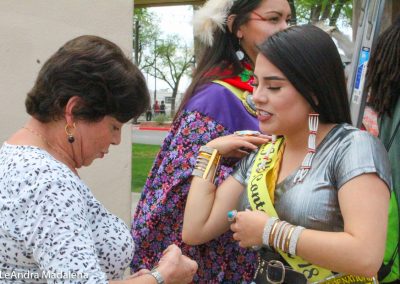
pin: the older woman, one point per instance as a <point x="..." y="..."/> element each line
<point x="52" y="229"/>
<point x="319" y="190"/>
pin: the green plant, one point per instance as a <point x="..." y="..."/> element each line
<point x="142" y="159"/>
<point x="161" y="119"/>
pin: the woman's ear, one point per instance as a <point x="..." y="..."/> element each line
<point x="229" y="22"/>
<point x="69" y="107"/>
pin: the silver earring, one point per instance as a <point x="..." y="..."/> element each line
<point x="239" y="52"/>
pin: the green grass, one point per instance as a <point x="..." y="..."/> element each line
<point x="142" y="159"/>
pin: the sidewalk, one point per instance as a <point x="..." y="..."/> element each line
<point x="152" y="125"/>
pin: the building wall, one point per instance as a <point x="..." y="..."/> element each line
<point x="31" y="31"/>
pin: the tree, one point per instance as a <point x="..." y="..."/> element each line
<point x="145" y="33"/>
<point x="166" y="59"/>
<point x="173" y="63"/>
<point x="314" y="11"/>
<point x="325" y="14"/>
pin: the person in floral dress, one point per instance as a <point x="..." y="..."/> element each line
<point x="218" y="102"/>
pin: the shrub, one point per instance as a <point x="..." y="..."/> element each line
<point x="161" y="119"/>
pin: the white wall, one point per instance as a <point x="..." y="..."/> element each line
<point x="31" y="31"/>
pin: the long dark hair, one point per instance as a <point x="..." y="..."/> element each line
<point x="309" y="59"/>
<point x="383" y="73"/>
<point x="221" y="55"/>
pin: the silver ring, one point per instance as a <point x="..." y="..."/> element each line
<point x="247" y="133"/>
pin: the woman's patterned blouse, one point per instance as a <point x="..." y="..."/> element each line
<point x="52" y="229"/>
<point x="214" y="111"/>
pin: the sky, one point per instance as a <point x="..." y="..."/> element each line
<point x="178" y="20"/>
<point x="174" y="20"/>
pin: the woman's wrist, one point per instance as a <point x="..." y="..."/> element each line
<point x="207" y="163"/>
<point x="157" y="275"/>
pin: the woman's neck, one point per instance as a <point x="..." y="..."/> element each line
<point x="50" y="137"/>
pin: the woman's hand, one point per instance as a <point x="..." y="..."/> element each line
<point x="138" y="273"/>
<point x="236" y="146"/>
<point x="248" y="227"/>
<point x="175" y="267"/>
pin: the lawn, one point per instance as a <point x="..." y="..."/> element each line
<point x="142" y="160"/>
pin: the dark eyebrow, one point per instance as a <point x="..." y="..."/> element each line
<point x="277" y="12"/>
<point x="274" y="78"/>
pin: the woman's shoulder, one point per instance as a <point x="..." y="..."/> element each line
<point x="34" y="168"/>
<point x="357" y="152"/>
<point x="348" y="135"/>
<point x="220" y="104"/>
<point x="31" y="158"/>
<point x="211" y="93"/>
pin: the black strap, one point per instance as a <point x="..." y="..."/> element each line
<point x="393" y="136"/>
<point x="385" y="269"/>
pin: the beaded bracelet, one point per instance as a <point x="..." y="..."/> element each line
<point x="294" y="239"/>
<point x="267" y="230"/>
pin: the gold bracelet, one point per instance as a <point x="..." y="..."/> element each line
<point x="284" y="236"/>
<point x="215" y="156"/>
<point x="205" y="155"/>
<point x="272" y="235"/>
<point x="207" y="163"/>
<point x="289" y="236"/>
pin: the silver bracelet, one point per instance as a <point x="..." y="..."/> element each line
<point x="206" y="149"/>
<point x="267" y="230"/>
<point x="157" y="275"/>
<point x="294" y="239"/>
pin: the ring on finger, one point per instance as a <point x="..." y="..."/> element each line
<point x="247" y="133"/>
<point x="232" y="215"/>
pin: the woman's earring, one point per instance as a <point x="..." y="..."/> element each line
<point x="312" y="145"/>
<point x="240" y="53"/>
<point x="68" y="131"/>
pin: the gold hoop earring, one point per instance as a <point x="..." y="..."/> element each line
<point x="68" y="131"/>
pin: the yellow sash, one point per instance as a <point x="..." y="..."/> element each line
<point x="257" y="192"/>
<point x="260" y="195"/>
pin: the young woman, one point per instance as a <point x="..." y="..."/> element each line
<point x="319" y="191"/>
<point x="218" y="102"/>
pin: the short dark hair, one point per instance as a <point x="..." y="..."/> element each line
<point x="95" y="70"/>
<point x="309" y="58"/>
<point x="383" y="72"/>
<point x="222" y="54"/>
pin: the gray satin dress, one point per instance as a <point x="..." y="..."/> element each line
<point x="345" y="153"/>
